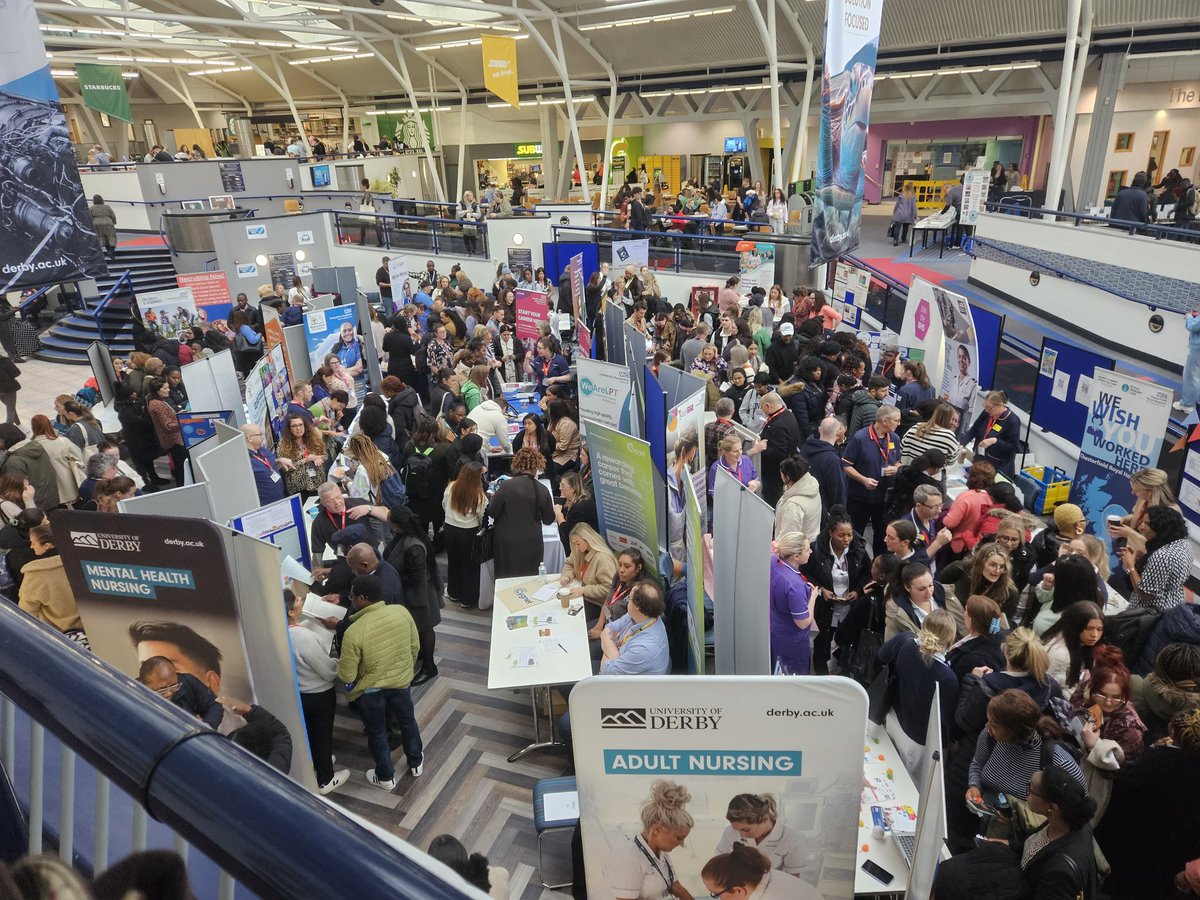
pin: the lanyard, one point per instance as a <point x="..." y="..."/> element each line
<point x="882" y="452"/>
<point x="630" y="635"/>
<point x="262" y="458"/>
<point x="669" y="876"/>
<point x="334" y="521"/>
<point x="926" y="534"/>
<point x="619" y="593"/>
<point x="992" y="423"/>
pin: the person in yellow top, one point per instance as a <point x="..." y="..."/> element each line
<point x="591" y="563"/>
<point x="45" y="592"/>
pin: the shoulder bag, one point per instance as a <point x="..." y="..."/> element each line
<point x="482" y="548"/>
<point x="881" y="693"/>
<point x="864" y="664"/>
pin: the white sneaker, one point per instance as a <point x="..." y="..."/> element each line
<point x="339" y="778"/>
<point x="416" y="773"/>
<point x="388" y="785"/>
<point x="1179" y="406"/>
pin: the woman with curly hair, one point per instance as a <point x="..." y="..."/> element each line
<point x="302" y="443"/>
<point x="519" y="508"/>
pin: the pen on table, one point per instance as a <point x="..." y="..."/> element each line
<point x="562" y="648"/>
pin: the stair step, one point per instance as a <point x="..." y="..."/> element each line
<point x="57" y="342"/>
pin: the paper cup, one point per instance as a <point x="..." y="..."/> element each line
<point x="564" y="597"/>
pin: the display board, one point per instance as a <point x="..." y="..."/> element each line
<point x="1062" y="390"/>
<point x="1189" y="484"/>
<point x="605" y="395"/>
<point x="742" y="532"/>
<point x="281" y="523"/>
<point x="699" y="744"/>
<point x="655" y="406"/>
<point x="614" y="328"/>
<point x="557" y="256"/>
<point x="989" y="327"/>
<point x="212" y="383"/>
<point x="199" y="426"/>
<point x="621" y="469"/>
<point x="190" y="501"/>
<point x="231" y="486"/>
<point x="102" y="370"/>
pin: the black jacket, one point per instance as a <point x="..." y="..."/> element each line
<point x="781" y="358"/>
<point x="985" y="650"/>
<point x="280" y="755"/>
<point x="639" y="217"/>
<point x="916" y="682"/>
<point x="782" y="435"/>
<point x="809" y="407"/>
<point x="8" y="376"/>
<point x="825" y="465"/>
<point x="1130" y="205"/>
<point x="403" y="410"/>
<point x="1008" y="440"/>
<point x="819" y="568"/>
<point x="194" y="696"/>
<point x="1066" y="869"/>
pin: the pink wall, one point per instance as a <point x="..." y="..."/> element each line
<point x="1025" y="126"/>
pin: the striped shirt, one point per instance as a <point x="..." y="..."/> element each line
<point x="1163" y="576"/>
<point x="934" y="439"/>
<point x="1008" y="767"/>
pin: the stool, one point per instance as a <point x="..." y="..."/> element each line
<point x="564" y="793"/>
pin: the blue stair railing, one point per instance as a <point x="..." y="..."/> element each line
<point x="126" y="282"/>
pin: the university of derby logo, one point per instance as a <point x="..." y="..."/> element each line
<point x="84" y="539"/>
<point x="623" y="717"/>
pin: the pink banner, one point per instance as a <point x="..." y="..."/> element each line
<point x="584" y="337"/>
<point x="531" y="312"/>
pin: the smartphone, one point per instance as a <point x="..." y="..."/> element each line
<point x="574" y="610"/>
<point x="877" y="871"/>
<point x="981" y="841"/>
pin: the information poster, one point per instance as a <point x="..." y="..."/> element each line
<point x="531" y="313"/>
<point x="975" y="193"/>
<point x="273" y="334"/>
<point x="333" y="330"/>
<point x="196" y="427"/>
<point x="283" y="268"/>
<point x="621" y="472"/>
<point x="268" y="390"/>
<point x="232" y="179"/>
<point x="630" y="253"/>
<point x="210" y="292"/>
<point x="1125" y="429"/>
<point x="687" y="419"/>
<point x="575" y="266"/>
<point x="281" y="523"/>
<point x="851" y="284"/>
<point x="847" y="79"/>
<point x="708" y="745"/>
<point x="960" y="373"/>
<point x="519" y="259"/>
<point x="605" y="395"/>
<point x="401" y="289"/>
<point x="757" y="267"/>
<point x="148" y="586"/>
<point x="167" y="312"/>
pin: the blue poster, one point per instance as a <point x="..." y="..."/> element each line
<point x="1126" y="426"/>
<point x="847" y="79"/>
<point x="200" y="426"/>
<point x="334" y="330"/>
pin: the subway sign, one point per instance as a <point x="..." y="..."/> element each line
<point x="527" y="150"/>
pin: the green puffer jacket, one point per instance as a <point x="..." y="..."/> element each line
<point x="378" y="649"/>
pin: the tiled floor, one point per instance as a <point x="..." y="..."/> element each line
<point x="41" y="382"/>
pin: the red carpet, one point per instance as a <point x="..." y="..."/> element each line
<point x="148" y="241"/>
<point x="904" y="271"/>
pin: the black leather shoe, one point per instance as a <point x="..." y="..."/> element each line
<point x="425" y="675"/>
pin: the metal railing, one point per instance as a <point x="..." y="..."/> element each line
<point x="33" y="298"/>
<point x="425" y="234"/>
<point x="243" y="815"/>
<point x="121" y="288"/>
<point x="1147" y="229"/>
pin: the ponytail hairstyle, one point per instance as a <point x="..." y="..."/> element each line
<point x="752" y="808"/>
<point x="1184" y="730"/>
<point x="1025" y="653"/>
<point x="1108" y="667"/>
<point x="448" y="850"/>
<point x="917" y="371"/>
<point x="983" y="614"/>
<point x="937" y="634"/>
<point x="1071" y="798"/>
<point x="743" y="866"/>
<point x="906" y="574"/>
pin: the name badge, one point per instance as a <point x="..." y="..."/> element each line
<point x="274" y="476"/>
<point x="996" y="427"/>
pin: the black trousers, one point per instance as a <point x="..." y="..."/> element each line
<point x="427" y="639"/>
<point x="863" y="514"/>
<point x="178" y="457"/>
<point x="462" y="572"/>
<point x="318" y="711"/>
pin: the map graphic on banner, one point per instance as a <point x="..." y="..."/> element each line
<point x="757" y="266"/>
<point x="48" y="233"/>
<point x="621" y="471"/>
<point x="210" y="293"/>
<point x="1125" y="430"/>
<point x="960" y="373"/>
<point x="847" y="81"/>
<point x="698" y="745"/>
<point x="103" y="89"/>
<point x="167" y="312"/>
<point x="147" y="586"/>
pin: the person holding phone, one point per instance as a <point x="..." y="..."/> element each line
<point x="839" y="568"/>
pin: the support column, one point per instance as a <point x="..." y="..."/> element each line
<point x="1081" y="60"/>
<point x="287" y="95"/>
<point x="572" y="119"/>
<point x="1112" y="75"/>
<point x="184" y="98"/>
<point x="550" y="159"/>
<point x="462" y="149"/>
<point x="753" y="157"/>
<point x="606" y="156"/>
<point x="1058" y="163"/>
<point x="767" y="32"/>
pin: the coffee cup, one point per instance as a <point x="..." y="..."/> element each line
<point x="564" y="597"/>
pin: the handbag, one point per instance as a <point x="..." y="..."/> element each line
<point x="482" y="548"/>
<point x="863" y="664"/>
<point x="881" y="694"/>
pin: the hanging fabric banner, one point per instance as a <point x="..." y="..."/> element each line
<point x="960" y="364"/>
<point x="500" y="68"/>
<point x="48" y="233"/>
<point x="851" y="43"/>
<point x="103" y="89"/>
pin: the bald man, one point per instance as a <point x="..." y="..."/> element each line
<point x="265" y="466"/>
<point x="363" y="560"/>
<point x="780" y="439"/>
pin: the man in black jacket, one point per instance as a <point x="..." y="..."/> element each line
<point x="782" y="353"/>
<point x="779" y="440"/>
<point x="187" y="692"/>
<point x="263" y="735"/>
<point x="825" y="463"/>
<point x="639" y="218"/>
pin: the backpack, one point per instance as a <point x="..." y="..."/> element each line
<point x="392" y="491"/>
<point x="422" y="358"/>
<point x="418" y="477"/>
<point x="1130" y="629"/>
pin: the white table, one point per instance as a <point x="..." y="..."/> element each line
<point x="882" y="759"/>
<point x="562" y="657"/>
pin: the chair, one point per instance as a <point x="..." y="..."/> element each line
<point x="291" y="206"/>
<point x="551" y="787"/>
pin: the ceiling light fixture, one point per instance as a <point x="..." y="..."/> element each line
<point x="647" y="20"/>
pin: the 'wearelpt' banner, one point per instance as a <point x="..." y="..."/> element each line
<point x="701" y="751"/>
<point x="605" y="394"/>
<point x="621" y="471"/>
<point x="48" y="233"/>
<point x="500" y="68"/>
<point x="847" y="79"/>
<point x="103" y="89"/>
<point x="1124" y="433"/>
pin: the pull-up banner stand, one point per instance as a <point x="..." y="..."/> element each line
<point x="742" y="533"/>
<point x="698" y="744"/>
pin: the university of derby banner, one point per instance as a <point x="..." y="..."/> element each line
<point x="693" y="749"/>
<point x="847" y="79"/>
<point x="103" y="89"/>
<point x="500" y="68"/>
<point x="48" y="233"/>
<point x="1126" y="426"/>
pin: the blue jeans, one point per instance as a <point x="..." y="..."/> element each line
<point x="1191" y="379"/>
<point x="373" y="708"/>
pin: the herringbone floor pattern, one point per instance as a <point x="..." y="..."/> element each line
<point x="468" y="788"/>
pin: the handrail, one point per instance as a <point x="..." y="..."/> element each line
<point x="241" y="813"/>
<point x="1158" y="231"/>
<point x="127" y="280"/>
<point x="33" y="298"/>
<point x="302" y="195"/>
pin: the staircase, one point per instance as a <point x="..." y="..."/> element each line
<point x="66" y="341"/>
